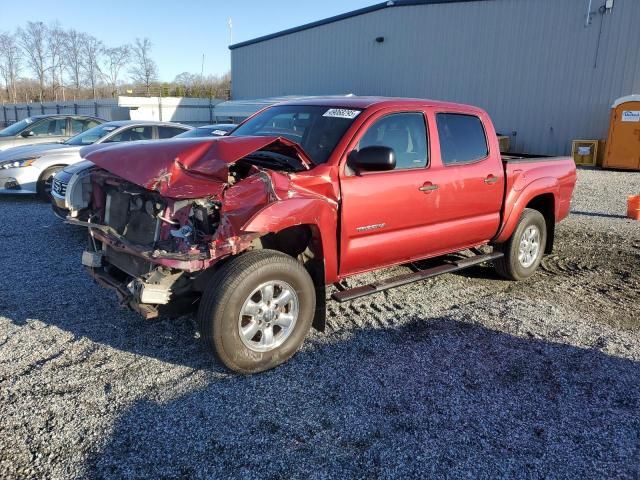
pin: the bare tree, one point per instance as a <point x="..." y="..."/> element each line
<point x="10" y="57"/>
<point x="92" y="49"/>
<point x="56" y="45"/>
<point x="144" y="70"/>
<point x="114" y="60"/>
<point x="32" y="39"/>
<point x="73" y="54"/>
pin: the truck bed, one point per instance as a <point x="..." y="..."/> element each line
<point x="527" y="157"/>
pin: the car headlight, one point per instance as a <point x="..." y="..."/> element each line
<point x="23" y="162"/>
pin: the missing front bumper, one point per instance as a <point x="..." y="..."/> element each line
<point x="125" y="296"/>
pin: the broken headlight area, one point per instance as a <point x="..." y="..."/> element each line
<point x="144" y="221"/>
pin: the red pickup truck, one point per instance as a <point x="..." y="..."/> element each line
<point x="254" y="225"/>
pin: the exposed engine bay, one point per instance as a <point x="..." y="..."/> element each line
<point x="150" y="246"/>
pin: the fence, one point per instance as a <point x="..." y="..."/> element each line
<point x="192" y="111"/>
<point x="184" y="110"/>
<point x="12" y="113"/>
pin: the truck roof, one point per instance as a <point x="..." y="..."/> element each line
<point x="366" y="102"/>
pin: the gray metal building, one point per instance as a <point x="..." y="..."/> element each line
<point x="545" y="70"/>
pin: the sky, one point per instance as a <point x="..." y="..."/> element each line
<point x="181" y="32"/>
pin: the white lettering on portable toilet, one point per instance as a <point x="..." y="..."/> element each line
<point x="631" y="116"/>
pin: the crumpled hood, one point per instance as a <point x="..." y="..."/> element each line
<point x="184" y="168"/>
<point x="30" y="151"/>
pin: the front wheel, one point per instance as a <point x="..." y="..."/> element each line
<point x="524" y="250"/>
<point x="257" y="310"/>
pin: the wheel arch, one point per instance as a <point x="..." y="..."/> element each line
<point x="540" y="195"/>
<point x="545" y="203"/>
<point x="49" y="167"/>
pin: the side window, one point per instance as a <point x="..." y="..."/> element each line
<point x="462" y="138"/>
<point x="79" y="125"/>
<point x="51" y="128"/>
<point x="133" y="134"/>
<point x="169" y="132"/>
<point x="405" y="133"/>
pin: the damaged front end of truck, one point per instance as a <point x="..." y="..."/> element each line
<point x="160" y="215"/>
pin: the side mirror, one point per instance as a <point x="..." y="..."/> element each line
<point x="375" y="158"/>
<point x="27" y="133"/>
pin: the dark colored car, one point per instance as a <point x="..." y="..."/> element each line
<point x="215" y="130"/>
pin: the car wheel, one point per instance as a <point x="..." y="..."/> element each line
<point x="43" y="187"/>
<point x="524" y="250"/>
<point x="257" y="310"/>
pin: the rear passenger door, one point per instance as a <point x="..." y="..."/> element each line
<point x="470" y="181"/>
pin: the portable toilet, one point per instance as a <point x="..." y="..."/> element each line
<point x="623" y="143"/>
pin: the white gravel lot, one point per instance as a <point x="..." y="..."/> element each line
<point x="462" y="376"/>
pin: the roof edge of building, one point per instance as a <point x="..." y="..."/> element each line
<point x="344" y="16"/>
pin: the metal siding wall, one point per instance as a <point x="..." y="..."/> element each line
<point x="530" y="64"/>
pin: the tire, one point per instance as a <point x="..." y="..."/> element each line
<point x="43" y="187"/>
<point x="516" y="265"/>
<point x="235" y="288"/>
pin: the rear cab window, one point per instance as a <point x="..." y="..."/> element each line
<point x="462" y="138"/>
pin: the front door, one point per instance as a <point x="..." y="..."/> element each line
<point x="383" y="213"/>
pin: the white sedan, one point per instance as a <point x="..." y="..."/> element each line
<point x="30" y="169"/>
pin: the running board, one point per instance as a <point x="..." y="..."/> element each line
<point x="357" y="292"/>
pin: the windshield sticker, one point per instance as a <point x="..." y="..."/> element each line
<point x="219" y="133"/>
<point x="108" y="129"/>
<point x="28" y="120"/>
<point x="341" y="113"/>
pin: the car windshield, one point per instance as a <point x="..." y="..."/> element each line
<point x="317" y="129"/>
<point x="16" y="128"/>
<point x="92" y="135"/>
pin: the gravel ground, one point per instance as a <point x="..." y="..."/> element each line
<point x="462" y="376"/>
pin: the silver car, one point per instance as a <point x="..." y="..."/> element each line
<point x="30" y="169"/>
<point x="45" y="129"/>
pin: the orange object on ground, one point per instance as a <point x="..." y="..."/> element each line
<point x="623" y="144"/>
<point x="633" y="207"/>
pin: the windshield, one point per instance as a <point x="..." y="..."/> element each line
<point x="92" y="135"/>
<point x="316" y="129"/>
<point x="16" y="128"/>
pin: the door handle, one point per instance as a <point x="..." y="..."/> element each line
<point x="428" y="187"/>
<point x="491" y="179"/>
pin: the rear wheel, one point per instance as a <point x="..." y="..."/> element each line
<point x="43" y="187"/>
<point x="524" y="250"/>
<point x="257" y="310"/>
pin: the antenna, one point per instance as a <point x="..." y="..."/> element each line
<point x="230" y="24"/>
